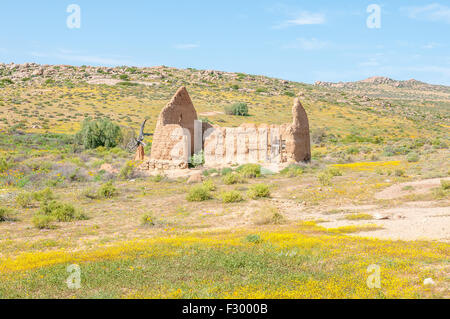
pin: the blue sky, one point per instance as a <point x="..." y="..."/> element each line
<point x="304" y="41"/>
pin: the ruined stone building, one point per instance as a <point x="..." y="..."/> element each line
<point x="179" y="135"/>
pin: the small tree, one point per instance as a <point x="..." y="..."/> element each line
<point x="95" y="133"/>
<point x="239" y="109"/>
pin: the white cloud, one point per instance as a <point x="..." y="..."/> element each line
<point x="432" y="12"/>
<point x="186" y="46"/>
<point x="303" y="18"/>
<point x="374" y="60"/>
<point x="68" y="55"/>
<point x="432" y="69"/>
<point x="370" y="62"/>
<point x="307" y="44"/>
<point x="431" y="45"/>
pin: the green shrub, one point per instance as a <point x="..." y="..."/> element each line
<point x="43" y="195"/>
<point x="24" y="200"/>
<point x="399" y="172"/>
<point x="334" y="171"/>
<point x="288" y="93"/>
<point x="353" y="150"/>
<point x="90" y="193"/>
<point x="124" y="77"/>
<point x="198" y="193"/>
<point x="148" y="220"/>
<point x="6" y="215"/>
<point x="232" y="178"/>
<point x="225" y="171"/>
<point x="269" y="215"/>
<point x="208" y="172"/>
<point x="4" y="165"/>
<point x="253" y="238"/>
<point x="292" y="170"/>
<point x="413" y="157"/>
<point x="61" y="212"/>
<point x="325" y="179"/>
<point x="440" y="192"/>
<point x="43" y="221"/>
<point x="249" y="170"/>
<point x="197" y="159"/>
<point x="127" y="170"/>
<point x="126" y="83"/>
<point x="445" y="185"/>
<point x="231" y="197"/>
<point x="239" y="109"/>
<point x="157" y="178"/>
<point x="359" y="216"/>
<point x="5" y="81"/>
<point x="209" y="185"/>
<point x="258" y="191"/>
<point x="107" y="190"/>
<point x="96" y="133"/>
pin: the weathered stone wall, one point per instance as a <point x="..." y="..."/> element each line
<point x="298" y="142"/>
<point x="174" y="129"/>
<point x="251" y="143"/>
<point x="173" y="141"/>
<point x="248" y="143"/>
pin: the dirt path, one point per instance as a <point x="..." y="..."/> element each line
<point x="410" y="221"/>
<point x="416" y="188"/>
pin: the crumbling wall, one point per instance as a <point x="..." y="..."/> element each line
<point x="175" y="126"/>
<point x="298" y="143"/>
<point x="173" y="141"/>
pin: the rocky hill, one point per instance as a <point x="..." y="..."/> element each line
<point x="380" y="80"/>
<point x="54" y="96"/>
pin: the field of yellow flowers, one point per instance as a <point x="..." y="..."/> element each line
<point x="303" y="261"/>
<point x="135" y="236"/>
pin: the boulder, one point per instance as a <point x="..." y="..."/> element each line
<point x="108" y="168"/>
<point x="195" y="178"/>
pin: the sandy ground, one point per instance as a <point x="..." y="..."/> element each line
<point x="418" y="220"/>
<point x="212" y="113"/>
<point x="411" y="221"/>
